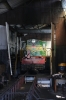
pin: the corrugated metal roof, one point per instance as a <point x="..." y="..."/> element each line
<point x="4" y="4"/>
<point x="15" y="3"/>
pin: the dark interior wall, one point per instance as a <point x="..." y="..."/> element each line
<point x="38" y="11"/>
<point x="3" y="56"/>
<point x="60" y="42"/>
<point x="3" y="46"/>
<point x="60" y="32"/>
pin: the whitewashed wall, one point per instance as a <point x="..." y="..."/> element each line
<point x="3" y="38"/>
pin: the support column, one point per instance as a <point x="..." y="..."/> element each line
<point x="53" y="67"/>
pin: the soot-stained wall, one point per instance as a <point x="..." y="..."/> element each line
<point x="60" y="42"/>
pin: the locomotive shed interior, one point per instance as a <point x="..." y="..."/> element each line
<point x="32" y="49"/>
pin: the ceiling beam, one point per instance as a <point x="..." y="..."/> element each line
<point x="34" y="30"/>
<point x="21" y="31"/>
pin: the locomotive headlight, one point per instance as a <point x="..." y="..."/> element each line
<point x="33" y="40"/>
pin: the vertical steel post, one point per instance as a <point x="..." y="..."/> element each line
<point x="7" y="33"/>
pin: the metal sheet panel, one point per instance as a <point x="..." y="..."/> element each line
<point x="3" y="39"/>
